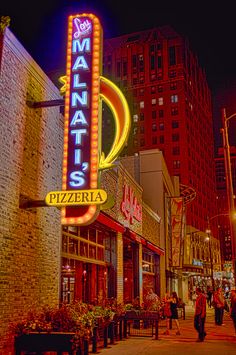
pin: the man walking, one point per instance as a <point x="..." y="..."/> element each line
<point x="200" y="315"/>
<point x="219" y="303"/>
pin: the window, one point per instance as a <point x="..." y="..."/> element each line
<point x="118" y="69"/>
<point x="161" y="113"/>
<point x="153" y="90"/>
<point x="175" y="124"/>
<point x="141" y="92"/>
<point x="154" y="140"/>
<point x="154" y="127"/>
<point x="152" y="62"/>
<point x="141" y="104"/>
<point x="141" y="116"/>
<point x="160" y="101"/>
<point x="142" y="129"/>
<point x="176" y="164"/>
<point x="134" y="60"/>
<point x="161" y="126"/>
<point x="175" y="137"/>
<point x="159" y="62"/>
<point x="174" y="98"/>
<point x="160" y="88"/>
<point x="154" y="101"/>
<point x="154" y="114"/>
<point x="162" y="139"/>
<point x="173" y="86"/>
<point x="135" y="118"/>
<point x="148" y="263"/>
<point x="176" y="150"/>
<point x="174" y="111"/>
<point x="172" y="55"/>
<point x="172" y="74"/>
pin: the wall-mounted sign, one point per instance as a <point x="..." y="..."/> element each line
<point x="197" y="262"/>
<point x="85" y="90"/>
<point x="130" y="207"/>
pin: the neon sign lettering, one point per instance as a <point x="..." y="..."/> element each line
<point x="84" y="90"/>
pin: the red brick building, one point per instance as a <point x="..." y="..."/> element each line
<point x="171" y="108"/>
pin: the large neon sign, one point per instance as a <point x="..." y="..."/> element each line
<point x="85" y="89"/>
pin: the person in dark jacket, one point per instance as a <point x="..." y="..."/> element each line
<point x="200" y="315"/>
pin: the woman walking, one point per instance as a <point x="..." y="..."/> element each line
<point x="174" y="311"/>
<point x="167" y="313"/>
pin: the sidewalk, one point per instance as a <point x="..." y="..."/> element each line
<point x="219" y="340"/>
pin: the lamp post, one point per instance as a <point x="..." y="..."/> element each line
<point x="208" y="231"/>
<point x="229" y="184"/>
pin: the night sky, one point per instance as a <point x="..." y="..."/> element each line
<point x="41" y="26"/>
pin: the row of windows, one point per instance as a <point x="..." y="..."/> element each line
<point x="175" y="124"/>
<point x="156" y="61"/>
<point x="175" y="150"/>
<point x="154" y="89"/>
<point x="160" y="101"/>
<point x="174" y="112"/>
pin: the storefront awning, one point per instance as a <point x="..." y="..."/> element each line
<point x="136" y="237"/>
<point x="155" y="248"/>
<point x="109" y="222"/>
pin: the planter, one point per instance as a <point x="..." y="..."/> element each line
<point x="41" y="342"/>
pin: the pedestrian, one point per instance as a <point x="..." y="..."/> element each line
<point x="200" y="315"/>
<point x="219" y="304"/>
<point x="167" y="312"/>
<point x="209" y="296"/>
<point x="174" y="311"/>
<point x="233" y="308"/>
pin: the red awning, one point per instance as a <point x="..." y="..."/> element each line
<point x="109" y="222"/>
<point x="136" y="237"/>
<point x="155" y="248"/>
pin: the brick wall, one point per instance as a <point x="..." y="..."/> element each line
<point x="30" y="166"/>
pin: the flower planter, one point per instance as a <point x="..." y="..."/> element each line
<point x="41" y="342"/>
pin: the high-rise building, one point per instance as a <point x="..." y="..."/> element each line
<point x="223" y="209"/>
<point x="171" y="109"/>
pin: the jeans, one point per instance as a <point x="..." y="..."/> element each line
<point x="199" y="324"/>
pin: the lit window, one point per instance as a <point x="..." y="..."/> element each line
<point x="135" y="118"/>
<point x="154" y="127"/>
<point x="160" y="101"/>
<point x="141" y="104"/>
<point x="174" y="98"/>
<point x="176" y="164"/>
<point x="174" y="111"/>
<point x="154" y="101"/>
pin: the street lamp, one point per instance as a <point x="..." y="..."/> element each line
<point x="208" y="231"/>
<point x="229" y="183"/>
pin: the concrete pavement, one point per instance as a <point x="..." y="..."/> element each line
<point x="220" y="340"/>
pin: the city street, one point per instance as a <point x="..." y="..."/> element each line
<point x="219" y="340"/>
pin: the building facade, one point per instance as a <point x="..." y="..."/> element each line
<point x="31" y="154"/>
<point x="171" y="109"/>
